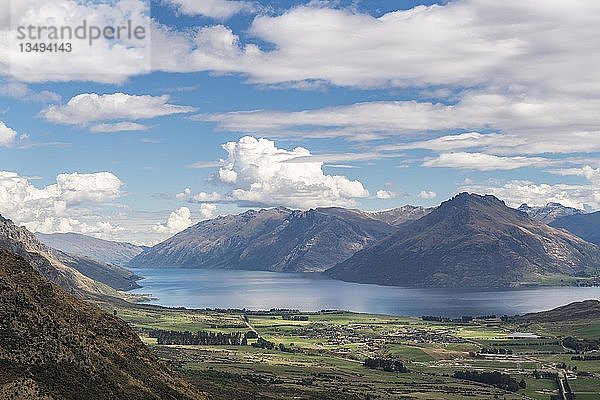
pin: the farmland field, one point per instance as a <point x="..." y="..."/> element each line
<point x="321" y="355"/>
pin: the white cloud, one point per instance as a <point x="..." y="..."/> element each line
<point x="427" y="195"/>
<point x="186" y="194"/>
<point x="385" y="194"/>
<point x="524" y="125"/>
<point x="7" y="135"/>
<point x="517" y="192"/>
<point x="70" y="204"/>
<point x="208" y="211"/>
<point x="258" y="173"/>
<point x="464" y="43"/>
<point x="591" y="174"/>
<point x="118" y="127"/>
<point x="337" y="157"/>
<point x="178" y="220"/>
<point x="98" y="187"/>
<point x="23" y="92"/>
<point x="485" y="162"/>
<point x="107" y="61"/>
<point x="206" y="164"/>
<point x="91" y="107"/>
<point x="218" y="9"/>
<point x="202" y="197"/>
<point x="461" y="43"/>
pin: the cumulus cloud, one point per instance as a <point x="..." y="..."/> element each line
<point x="185" y="195"/>
<point x="504" y="44"/>
<point x="218" y="9"/>
<point x="463" y="43"/>
<point x="258" y="173"/>
<point x="202" y="197"/>
<point x="107" y="61"/>
<point x="208" y="211"/>
<point x="178" y="220"/>
<point x="7" y="135"/>
<point x="517" y="192"/>
<point x="91" y="107"/>
<point x="590" y="173"/>
<point x="70" y="204"/>
<point x="385" y="194"/>
<point x="427" y="195"/>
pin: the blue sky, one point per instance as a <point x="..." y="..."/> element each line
<point x="392" y="103"/>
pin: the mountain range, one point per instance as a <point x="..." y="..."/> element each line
<point x="55" y="346"/>
<point x="77" y="275"/>
<point x="471" y="241"/>
<point x="105" y="251"/>
<point x="276" y="239"/>
<point x="398" y="216"/>
<point x="549" y="212"/>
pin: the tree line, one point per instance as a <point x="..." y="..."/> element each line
<point x="496" y="351"/>
<point x="581" y="345"/>
<point x="385" y="364"/>
<point x="496" y="379"/>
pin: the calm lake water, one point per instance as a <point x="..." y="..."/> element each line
<point x="194" y="288"/>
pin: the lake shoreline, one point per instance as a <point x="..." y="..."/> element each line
<point x="259" y="290"/>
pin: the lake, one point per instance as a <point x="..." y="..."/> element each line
<point x="202" y="288"/>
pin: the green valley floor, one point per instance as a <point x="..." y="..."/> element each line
<point x="322" y="355"/>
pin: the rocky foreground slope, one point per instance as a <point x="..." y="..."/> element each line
<point x="54" y="346"/>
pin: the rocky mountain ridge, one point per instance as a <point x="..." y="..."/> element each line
<point x="277" y="239"/>
<point x="471" y="241"/>
<point x="549" y="212"/>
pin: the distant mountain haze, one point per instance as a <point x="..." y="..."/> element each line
<point x="471" y="241"/>
<point x="586" y="226"/>
<point x="105" y="251"/>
